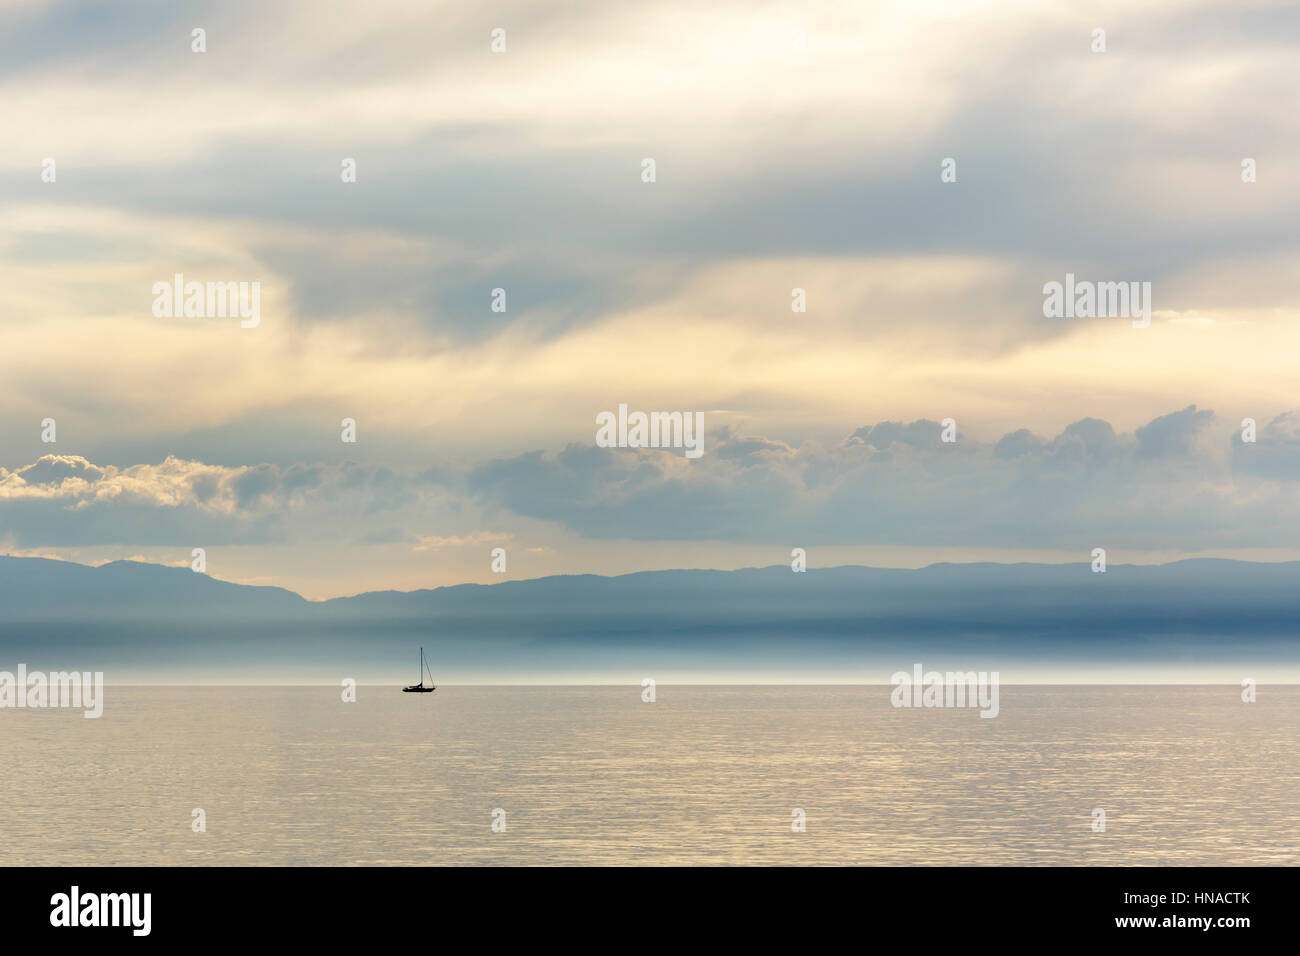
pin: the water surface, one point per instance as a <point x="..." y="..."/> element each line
<point x="592" y="775"/>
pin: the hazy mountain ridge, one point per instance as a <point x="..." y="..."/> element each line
<point x="1226" y="617"/>
<point x="940" y="595"/>
<point x="33" y="589"/>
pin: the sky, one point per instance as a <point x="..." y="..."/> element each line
<point x="795" y="146"/>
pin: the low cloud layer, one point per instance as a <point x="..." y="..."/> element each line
<point x="1184" y="481"/>
<point x="64" y="500"/>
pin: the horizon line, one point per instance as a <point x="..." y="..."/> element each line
<point x="714" y="683"/>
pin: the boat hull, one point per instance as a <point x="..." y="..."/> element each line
<point x="420" y="688"/>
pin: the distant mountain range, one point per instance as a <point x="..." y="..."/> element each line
<point x="1196" y="594"/>
<point x="1186" y="610"/>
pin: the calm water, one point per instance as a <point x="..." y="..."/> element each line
<point x="1186" y="775"/>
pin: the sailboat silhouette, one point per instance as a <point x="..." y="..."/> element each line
<point x="420" y="688"/>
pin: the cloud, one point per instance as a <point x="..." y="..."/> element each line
<point x="1181" y="481"/>
<point x="897" y="483"/>
<point x="438" y="542"/>
<point x="67" y="500"/>
<point x="919" y="434"/>
<point x="1174" y="433"/>
<point x="797" y="147"/>
<point x="51" y="470"/>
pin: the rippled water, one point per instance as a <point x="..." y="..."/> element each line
<point x="1186" y="775"/>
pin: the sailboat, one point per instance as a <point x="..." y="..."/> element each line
<point x="420" y="688"/>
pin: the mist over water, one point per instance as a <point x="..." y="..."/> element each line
<point x="705" y="774"/>
<point x="1194" y="622"/>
